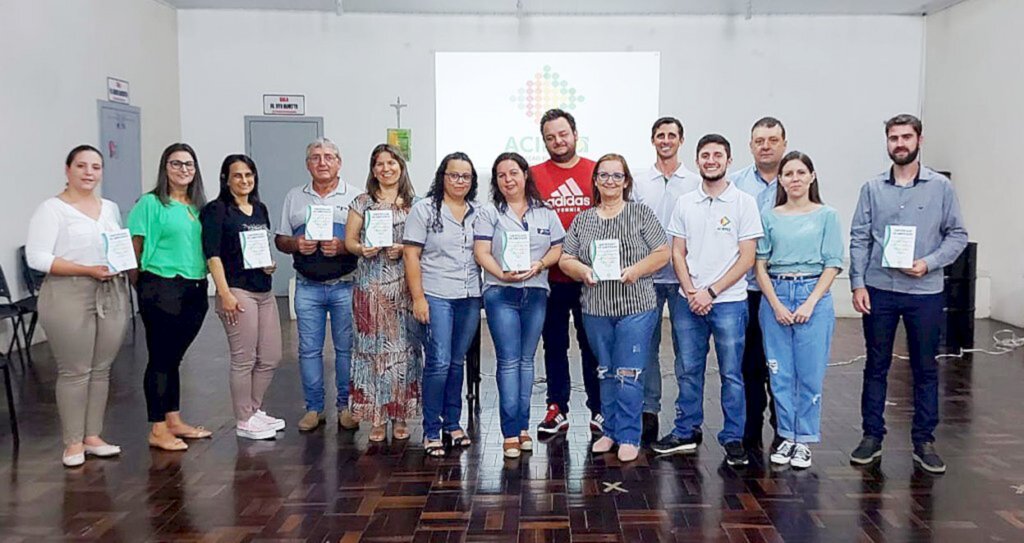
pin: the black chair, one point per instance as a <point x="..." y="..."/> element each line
<point x="5" y="363"/>
<point x="10" y="311"/>
<point x="33" y="281"/>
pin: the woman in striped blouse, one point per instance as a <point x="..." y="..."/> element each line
<point x="613" y="249"/>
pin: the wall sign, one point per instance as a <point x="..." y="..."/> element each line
<point x="284" y="104"/>
<point x="117" y="90"/>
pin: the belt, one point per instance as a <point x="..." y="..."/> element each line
<point x="786" y="277"/>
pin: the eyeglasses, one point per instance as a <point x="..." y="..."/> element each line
<point x="617" y="177"/>
<point x="179" y="165"/>
<point x="458" y="177"/>
<point x="327" y="159"/>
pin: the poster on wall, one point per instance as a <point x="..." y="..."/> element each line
<point x="401" y="138"/>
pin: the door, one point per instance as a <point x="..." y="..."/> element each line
<point x="120" y="142"/>
<point x="278" y="146"/>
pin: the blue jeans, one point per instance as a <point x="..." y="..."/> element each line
<point x="797" y="357"/>
<point x="453" y="324"/>
<point x="621" y="345"/>
<point x="564" y="301"/>
<point x="313" y="302"/>
<point x="922" y="317"/>
<point x="727" y="321"/>
<point x="515" y="317"/>
<point x="667" y="293"/>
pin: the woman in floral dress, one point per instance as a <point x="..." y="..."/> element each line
<point x="387" y="356"/>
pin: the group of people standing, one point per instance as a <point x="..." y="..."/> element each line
<point x="747" y="259"/>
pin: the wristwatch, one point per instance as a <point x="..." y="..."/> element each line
<point x="712" y="292"/>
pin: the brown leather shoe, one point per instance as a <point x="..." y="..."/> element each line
<point x="310" y="421"/>
<point x="347" y="421"/>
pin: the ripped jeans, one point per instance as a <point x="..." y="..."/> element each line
<point x="622" y="346"/>
<point x="797" y="356"/>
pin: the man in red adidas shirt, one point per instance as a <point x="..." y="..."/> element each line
<point x="565" y="184"/>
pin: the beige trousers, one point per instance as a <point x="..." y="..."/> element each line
<point x="255" y="344"/>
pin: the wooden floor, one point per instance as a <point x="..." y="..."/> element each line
<point x="330" y="485"/>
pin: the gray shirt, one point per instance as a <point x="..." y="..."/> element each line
<point x="929" y="204"/>
<point x="541" y="222"/>
<point x="317" y="267"/>
<point x="447" y="265"/>
<point x="660" y="194"/>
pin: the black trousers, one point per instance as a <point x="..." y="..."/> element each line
<point x="172" y="311"/>
<point x="756" y="381"/>
<point x="565" y="299"/>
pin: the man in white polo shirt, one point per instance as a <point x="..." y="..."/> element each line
<point x="714" y="233"/>
<point x="664" y="183"/>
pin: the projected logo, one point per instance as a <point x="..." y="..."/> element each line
<point x="546" y="90"/>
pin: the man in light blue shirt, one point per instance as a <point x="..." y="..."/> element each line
<point x="760" y="180"/>
<point x="659" y="189"/>
<point x="919" y="202"/>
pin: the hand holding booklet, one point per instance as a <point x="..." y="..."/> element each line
<point x="319" y="223"/>
<point x="605" y="260"/>
<point x="898" y="246"/>
<point x="118" y="251"/>
<point x="380" y="228"/>
<point x="255" y="249"/>
<point x="515" y="254"/>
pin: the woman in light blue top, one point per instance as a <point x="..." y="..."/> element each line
<point x="797" y="259"/>
<point x="516" y="286"/>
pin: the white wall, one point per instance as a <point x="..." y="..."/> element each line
<point x="55" y="57"/>
<point x="832" y="80"/>
<point x="972" y="126"/>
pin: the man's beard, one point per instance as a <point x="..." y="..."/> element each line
<point x="712" y="179"/>
<point x="563" y="158"/>
<point x="911" y="157"/>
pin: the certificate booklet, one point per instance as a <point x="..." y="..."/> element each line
<point x="255" y="249"/>
<point x="605" y="261"/>
<point x="380" y="228"/>
<point x="319" y="223"/>
<point x="118" y="250"/>
<point x="898" y="246"/>
<point x="515" y="252"/>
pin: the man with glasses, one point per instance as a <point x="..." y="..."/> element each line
<point x="323" y="281"/>
<point x="565" y="184"/>
<point x="760" y="180"/>
<point x="659" y="189"/>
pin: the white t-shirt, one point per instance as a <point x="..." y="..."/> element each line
<point x="59" y="230"/>
<point x="713" y="229"/>
<point x="660" y="194"/>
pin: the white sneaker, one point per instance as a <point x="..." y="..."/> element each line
<point x="273" y="422"/>
<point x="783" y="454"/>
<point x="801" y="456"/>
<point x="255" y="428"/>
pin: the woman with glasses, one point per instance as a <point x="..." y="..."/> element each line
<point x="614" y="249"/>
<point x="517" y="239"/>
<point x="171" y="284"/>
<point x="444" y="281"/>
<point x="387" y="360"/>
<point x="83" y="304"/>
<point x="799" y="256"/>
<point x="246" y="306"/>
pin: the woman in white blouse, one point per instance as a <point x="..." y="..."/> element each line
<point x="83" y="305"/>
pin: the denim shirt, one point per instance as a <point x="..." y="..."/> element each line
<point x="447" y="265"/>
<point x="931" y="205"/>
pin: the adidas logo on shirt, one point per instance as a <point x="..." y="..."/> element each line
<point x="569" y="198"/>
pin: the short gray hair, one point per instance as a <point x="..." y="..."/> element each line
<point x="321" y="143"/>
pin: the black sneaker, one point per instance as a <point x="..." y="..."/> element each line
<point x="597" y="423"/>
<point x="929" y="460"/>
<point x="868" y="451"/>
<point x="554" y="422"/>
<point x="671" y="444"/>
<point x="735" y="454"/>
<point x="698" y="435"/>
<point x="649" y="434"/>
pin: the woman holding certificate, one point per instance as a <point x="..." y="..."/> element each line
<point x="83" y="303"/>
<point x="387" y="360"/>
<point x="797" y="259"/>
<point x="613" y="249"/>
<point x="236" y="242"/>
<point x="444" y="282"/>
<point x="517" y="239"/>
<point x="172" y="285"/>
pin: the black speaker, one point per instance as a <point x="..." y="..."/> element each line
<point x="960" y="291"/>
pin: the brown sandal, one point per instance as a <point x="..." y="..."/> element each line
<point x="191" y="432"/>
<point x="400" y="430"/>
<point x="379" y="433"/>
<point x="173" y="444"/>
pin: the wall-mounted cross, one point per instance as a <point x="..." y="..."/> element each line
<point x="398" y="105"/>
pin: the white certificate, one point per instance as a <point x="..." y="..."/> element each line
<point x="255" y="249"/>
<point x="320" y="222"/>
<point x="379" y="226"/>
<point x="515" y="252"/>
<point x="605" y="260"/>
<point x="898" y="246"/>
<point x="118" y="250"/>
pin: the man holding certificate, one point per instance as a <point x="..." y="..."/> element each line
<point x="312" y="230"/>
<point x="906" y="228"/>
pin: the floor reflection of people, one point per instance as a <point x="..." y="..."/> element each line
<point x="165" y="493"/>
